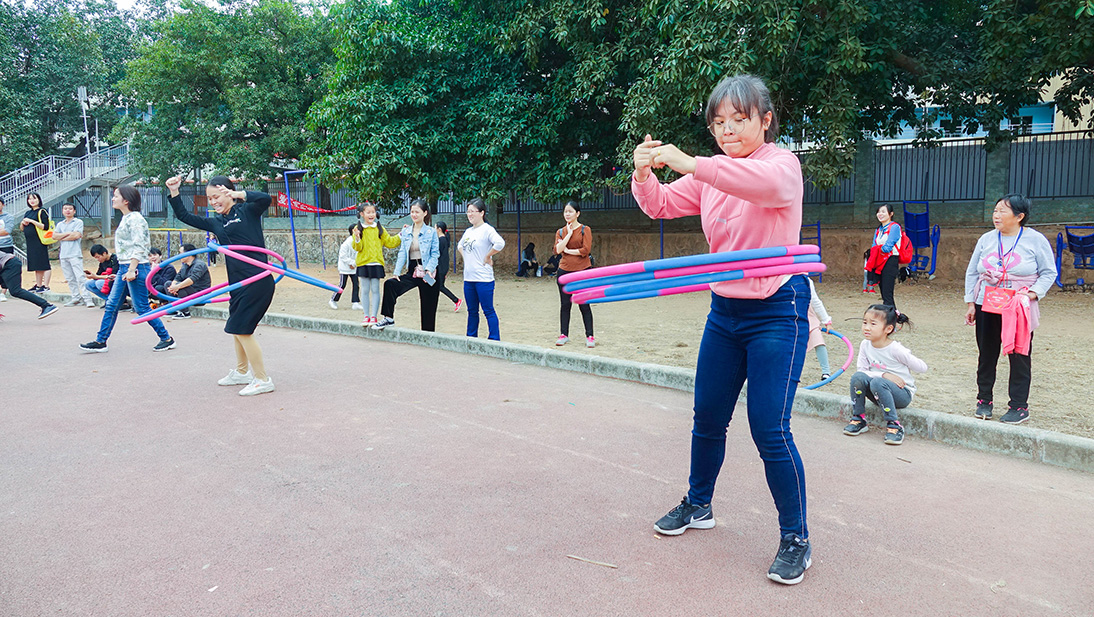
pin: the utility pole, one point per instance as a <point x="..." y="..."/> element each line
<point x="81" y="94"/>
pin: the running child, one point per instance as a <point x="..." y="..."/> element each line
<point x="347" y="271"/>
<point x="369" y="240"/>
<point x="884" y="373"/>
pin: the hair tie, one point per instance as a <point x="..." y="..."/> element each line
<point x="896" y="311"/>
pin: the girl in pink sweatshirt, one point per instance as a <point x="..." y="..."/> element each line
<point x="748" y="197"/>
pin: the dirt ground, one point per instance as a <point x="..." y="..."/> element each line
<point x="667" y="331"/>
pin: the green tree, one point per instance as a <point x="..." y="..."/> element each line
<point x="420" y="101"/>
<point x="227" y="87"/>
<point x="48" y="50"/>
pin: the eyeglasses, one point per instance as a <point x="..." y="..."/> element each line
<point x="718" y="127"/>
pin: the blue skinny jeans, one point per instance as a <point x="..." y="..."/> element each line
<point x="764" y="342"/>
<point x="481" y="294"/>
<point x="138" y="292"/>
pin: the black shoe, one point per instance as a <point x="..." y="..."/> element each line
<point x="1015" y="415"/>
<point x="791" y="562"/>
<point x="856" y="427"/>
<point x="35" y="289"/>
<point x="983" y="409"/>
<point x="125" y="307"/>
<point x="94" y="347"/>
<point x="894" y="434"/>
<point x="181" y="315"/>
<point x="164" y="345"/>
<point x="683" y="517"/>
<point x="47" y="311"/>
<point x="383" y="323"/>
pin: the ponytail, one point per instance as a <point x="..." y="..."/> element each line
<point x="892" y="317"/>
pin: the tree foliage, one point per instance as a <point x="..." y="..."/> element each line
<point x="596" y="75"/>
<point x="418" y="101"/>
<point x="228" y="87"/>
<point x="48" y="50"/>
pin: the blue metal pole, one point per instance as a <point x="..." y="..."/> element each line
<point x="292" y="221"/>
<point x="662" y="238"/>
<point x="520" y="246"/>
<point x="319" y="217"/>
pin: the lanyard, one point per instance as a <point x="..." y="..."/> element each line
<point x="1003" y="256"/>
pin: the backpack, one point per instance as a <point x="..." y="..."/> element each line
<point x="906" y="250"/>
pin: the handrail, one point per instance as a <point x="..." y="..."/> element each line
<point x="52" y="174"/>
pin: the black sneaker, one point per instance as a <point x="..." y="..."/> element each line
<point x="164" y="345"/>
<point x="856" y="427"/>
<point x="383" y="323"/>
<point x="683" y="517"/>
<point x="793" y="559"/>
<point x="983" y="409"/>
<point x="47" y="311"/>
<point x="181" y="315"/>
<point x="1015" y="415"/>
<point x="894" y="434"/>
<point x="94" y="347"/>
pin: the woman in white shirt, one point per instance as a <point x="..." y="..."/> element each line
<point x="132" y="244"/>
<point x="479" y="244"/>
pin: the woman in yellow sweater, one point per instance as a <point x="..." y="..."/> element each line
<point x="369" y="240"/>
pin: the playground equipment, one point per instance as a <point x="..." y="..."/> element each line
<point x="918" y="227"/>
<point x="1082" y="249"/>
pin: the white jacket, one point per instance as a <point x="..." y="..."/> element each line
<point x="347" y="258"/>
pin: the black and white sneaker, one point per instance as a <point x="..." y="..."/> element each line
<point x="164" y="345"/>
<point x="857" y="426"/>
<point x="793" y="559"/>
<point x="47" y="311"/>
<point x="383" y="323"/>
<point x="894" y="434"/>
<point x="683" y="517"/>
<point x="94" y="347"/>
<point x="983" y="409"/>
<point x="181" y="315"/>
<point x="1015" y="415"/>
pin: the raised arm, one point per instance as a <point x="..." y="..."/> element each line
<point x="181" y="213"/>
<point x="257" y="201"/>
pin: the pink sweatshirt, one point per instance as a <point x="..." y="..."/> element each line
<point x="745" y="203"/>
<point x="1017" y="329"/>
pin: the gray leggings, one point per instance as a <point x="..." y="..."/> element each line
<point x="885" y="393"/>
<point x="370" y="296"/>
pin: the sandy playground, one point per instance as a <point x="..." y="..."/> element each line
<point x="667" y="331"/>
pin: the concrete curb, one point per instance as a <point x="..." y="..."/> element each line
<point x="1038" y="445"/>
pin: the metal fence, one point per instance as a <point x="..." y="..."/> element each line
<point x="1054" y="165"/>
<point x="842" y="193"/>
<point x="947" y="171"/>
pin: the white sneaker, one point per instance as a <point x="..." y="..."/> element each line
<point x="72" y="302"/>
<point x="3" y="298"/>
<point x="357" y="306"/>
<point x="235" y="378"/>
<point x="333" y="305"/>
<point x="89" y="304"/>
<point x="257" y="387"/>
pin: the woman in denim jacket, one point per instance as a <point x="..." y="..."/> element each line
<point x="419" y="253"/>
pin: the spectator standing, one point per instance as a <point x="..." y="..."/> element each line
<point x="7" y="244"/>
<point x="479" y="244"/>
<point x="444" y="263"/>
<point x="37" y="218"/>
<point x="574" y="242"/>
<point x="69" y="234"/>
